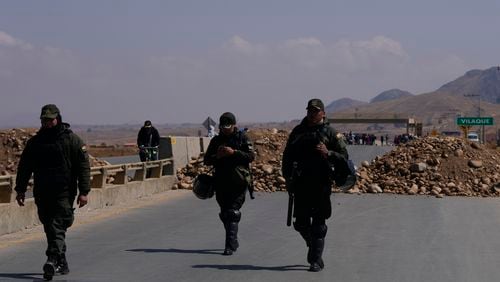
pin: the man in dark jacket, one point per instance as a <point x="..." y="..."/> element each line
<point x="148" y="139"/>
<point x="312" y="150"/>
<point x="230" y="153"/>
<point x="58" y="160"/>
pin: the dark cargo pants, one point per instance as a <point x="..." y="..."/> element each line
<point x="56" y="215"/>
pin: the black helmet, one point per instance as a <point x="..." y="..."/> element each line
<point x="344" y="175"/>
<point x="203" y="186"/>
<point x="227" y="119"/>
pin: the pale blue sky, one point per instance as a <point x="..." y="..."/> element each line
<point x="112" y="62"/>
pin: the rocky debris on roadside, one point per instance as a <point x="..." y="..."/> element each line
<point x="427" y="166"/>
<point x="433" y="166"/>
<point x="12" y="144"/>
<point x="97" y="162"/>
<point x="266" y="169"/>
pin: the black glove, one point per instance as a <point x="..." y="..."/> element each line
<point x="335" y="155"/>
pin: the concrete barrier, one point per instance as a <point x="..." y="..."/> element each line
<point x="14" y="218"/>
<point x="204" y="141"/>
<point x="150" y="178"/>
<point x="182" y="149"/>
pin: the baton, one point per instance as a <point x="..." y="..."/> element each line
<point x="290" y="210"/>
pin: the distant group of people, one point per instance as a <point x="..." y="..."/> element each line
<point x="315" y="156"/>
<point x="403" y="138"/>
<point x="365" y="139"/>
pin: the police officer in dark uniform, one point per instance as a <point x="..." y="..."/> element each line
<point x="230" y="153"/>
<point x="312" y="150"/>
<point x="147" y="138"/>
<point x="58" y="160"/>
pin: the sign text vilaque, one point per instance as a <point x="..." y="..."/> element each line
<point x="475" y="121"/>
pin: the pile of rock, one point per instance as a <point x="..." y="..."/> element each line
<point x="427" y="166"/>
<point x="266" y="169"/>
<point x="97" y="162"/>
<point x="12" y="144"/>
<point x="433" y="166"/>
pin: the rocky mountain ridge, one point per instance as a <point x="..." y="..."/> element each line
<point x="390" y="95"/>
<point x="476" y="82"/>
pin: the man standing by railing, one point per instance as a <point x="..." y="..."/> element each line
<point x="148" y="140"/>
<point x="59" y="162"/>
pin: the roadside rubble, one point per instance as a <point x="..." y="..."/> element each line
<point x="12" y="144"/>
<point x="427" y="166"/>
<point x="433" y="166"/>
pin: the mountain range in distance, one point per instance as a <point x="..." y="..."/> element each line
<point x="485" y="83"/>
<point x="475" y="94"/>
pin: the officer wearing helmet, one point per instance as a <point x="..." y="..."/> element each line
<point x="230" y="153"/>
<point x="312" y="149"/>
<point x="58" y="160"/>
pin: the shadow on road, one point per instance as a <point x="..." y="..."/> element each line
<point x="22" y="276"/>
<point x="297" y="267"/>
<point x="181" y="251"/>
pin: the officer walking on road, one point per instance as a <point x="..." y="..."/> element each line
<point x="58" y="160"/>
<point x="230" y="153"/>
<point x="312" y="150"/>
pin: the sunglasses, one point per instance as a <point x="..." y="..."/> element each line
<point x="313" y="110"/>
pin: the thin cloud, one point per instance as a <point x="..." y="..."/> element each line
<point x="10" y="41"/>
<point x="251" y="79"/>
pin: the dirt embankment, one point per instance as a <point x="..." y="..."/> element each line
<point x="112" y="151"/>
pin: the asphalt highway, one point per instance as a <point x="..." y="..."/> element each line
<point x="370" y="238"/>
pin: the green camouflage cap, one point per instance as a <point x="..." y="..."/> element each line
<point x="316" y="103"/>
<point x="49" y="111"/>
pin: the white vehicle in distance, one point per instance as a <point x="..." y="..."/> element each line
<point x="473" y="137"/>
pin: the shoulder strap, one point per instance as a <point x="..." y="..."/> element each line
<point x="323" y="134"/>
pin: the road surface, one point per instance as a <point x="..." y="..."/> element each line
<point x="370" y="238"/>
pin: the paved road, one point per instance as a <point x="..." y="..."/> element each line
<point x="357" y="153"/>
<point x="370" y="238"/>
<point x="361" y="153"/>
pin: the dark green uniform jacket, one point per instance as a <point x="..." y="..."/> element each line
<point x="301" y="148"/>
<point x="313" y="175"/>
<point x="230" y="187"/>
<point x="59" y="162"/>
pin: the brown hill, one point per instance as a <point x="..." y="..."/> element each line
<point x="342" y="104"/>
<point x="436" y="111"/>
<point x="476" y="82"/>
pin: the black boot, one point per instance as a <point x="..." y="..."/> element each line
<point x="62" y="265"/>
<point x="231" y="238"/>
<point x="49" y="268"/>
<point x="316" y="250"/>
<point x="307" y="237"/>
